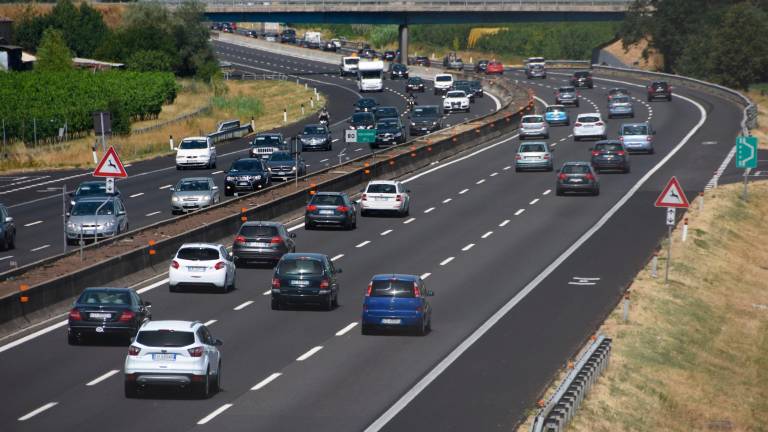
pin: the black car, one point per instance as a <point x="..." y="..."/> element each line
<point x="398" y="70"/>
<point x="466" y="87"/>
<point x="365" y="104"/>
<point x="305" y="278"/>
<point x="246" y="175"/>
<point x="481" y="66"/>
<point x="415" y="84"/>
<point x="389" y="55"/>
<point x="288" y="36"/>
<point x="7" y="229"/>
<point x="329" y="46"/>
<point x="105" y="312"/>
<point x="262" y="242"/>
<point x="659" y="90"/>
<point x="582" y="79"/>
<point x="389" y="131"/>
<point x="422" y="61"/>
<point x="264" y="144"/>
<point x="385" y="112"/>
<point x="283" y="165"/>
<point x="425" y="119"/>
<point x="477" y="88"/>
<point x="252" y="33"/>
<point x="91" y="188"/>
<point x="316" y="137"/>
<point x="577" y="177"/>
<point x="362" y="120"/>
<point x="330" y="208"/>
<point x="367" y="53"/>
<point x="610" y="155"/>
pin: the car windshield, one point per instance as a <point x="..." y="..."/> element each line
<point x="532" y="148"/>
<point x="635" y="130"/>
<point x="381" y="188"/>
<point x="553" y="109"/>
<point x="386" y="112"/>
<point x="88" y="208"/>
<point x="258" y="230"/>
<point x="425" y="111"/>
<point x="366" y="103"/>
<point x="351" y="61"/>
<point x="314" y="130"/>
<point x="266" y="140"/>
<point x="534" y="119"/>
<point x="193" y="185"/>
<point x="92" y="189"/>
<point x="362" y="118"/>
<point x="416" y="81"/>
<point x="443" y="78"/>
<point x="588" y="119"/>
<point x="659" y="84"/>
<point x="475" y="84"/>
<point x="368" y="74"/>
<point x="198" y="254"/>
<point x="398" y="67"/>
<point x="193" y="145"/>
<point x="620" y="99"/>
<point x="566" y="90"/>
<point x="386" y="124"/>
<point x="608" y="147"/>
<point x="456" y="94"/>
<point x="392" y="288"/>
<point x="280" y="156"/>
<point x="105" y="297"/>
<point x="328" y="200"/>
<point x="300" y="267"/>
<point x="246" y="165"/>
<point x="575" y="169"/>
<point x="581" y="74"/>
<point x="165" y="338"/>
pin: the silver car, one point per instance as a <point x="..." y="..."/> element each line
<point x="637" y="137"/>
<point x="533" y="125"/>
<point x="533" y="155"/>
<point x="84" y="222"/>
<point x="194" y="193"/>
<point x="620" y="106"/>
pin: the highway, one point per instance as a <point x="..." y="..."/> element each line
<point x="498" y="248"/>
<point x="38" y="211"/>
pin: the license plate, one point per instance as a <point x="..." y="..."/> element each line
<point x="101" y="315"/>
<point x="260" y="244"/>
<point x="299" y="283"/>
<point x="326" y="212"/>
<point x="381" y="199"/>
<point x="576" y="180"/>
<point x="164" y="357"/>
<point x="196" y="269"/>
<point x="391" y="321"/>
<point x="243" y="184"/>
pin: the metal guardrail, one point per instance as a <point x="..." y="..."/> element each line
<point x="561" y="407"/>
<point x="232" y="133"/>
<point x="521" y="3"/>
<point x="245" y="76"/>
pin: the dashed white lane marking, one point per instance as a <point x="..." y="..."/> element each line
<point x="210" y="322"/>
<point x="102" y="378"/>
<point x="165" y="187"/>
<point x="31" y="414"/>
<point x="136" y="195"/>
<point x="507" y="167"/>
<point x="429" y="210"/>
<point x="152" y="214"/>
<point x="467" y="247"/>
<point x="335" y="139"/>
<point x="563" y="139"/>
<point x="504" y="222"/>
<point x="547" y="192"/>
<point x="535" y="200"/>
<point x="344" y="331"/>
<point x="309" y="353"/>
<point x="519" y="212"/>
<point x="359" y="149"/>
<point x="463" y="191"/>
<point x="263" y="383"/>
<point x="409" y="220"/>
<point x="267" y="292"/>
<point x="447" y="200"/>
<point x="494" y="174"/>
<point x="324" y="160"/>
<point x="244" y="305"/>
<point x="481" y="181"/>
<point x="40" y="248"/>
<point x="6" y="257"/>
<point x="216" y="412"/>
<point x="217" y="172"/>
<point x="446" y="261"/>
<point x="426" y="275"/>
<point x="359" y="245"/>
<point x="339" y="256"/>
<point x="33" y="223"/>
<point x="383" y="233"/>
<point x="486" y="235"/>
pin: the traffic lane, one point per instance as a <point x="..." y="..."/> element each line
<point x="731" y="174"/>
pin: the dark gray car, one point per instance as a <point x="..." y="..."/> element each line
<point x="567" y="96"/>
<point x="305" y="278"/>
<point x="425" y="119"/>
<point x="610" y="155"/>
<point x="283" y="165"/>
<point x="330" y="209"/>
<point x="315" y="137"/>
<point x="577" y="177"/>
<point x="7" y="229"/>
<point x="262" y="241"/>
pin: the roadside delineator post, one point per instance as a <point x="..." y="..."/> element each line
<point x="701" y="201"/>
<point x="655" y="264"/>
<point x="302" y="109"/>
<point x="626" y="307"/>
<point x="23" y="298"/>
<point x="243" y="217"/>
<point x="685" y="229"/>
<point x="152" y="250"/>
<point x="285" y="115"/>
<point x="170" y="141"/>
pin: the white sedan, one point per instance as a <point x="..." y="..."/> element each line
<point x="589" y="125"/>
<point x="203" y="265"/>
<point x="385" y="196"/>
<point x="455" y="100"/>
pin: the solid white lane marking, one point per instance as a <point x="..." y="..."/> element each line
<point x="263" y="383"/>
<point x="33" y="223"/>
<point x="152" y="214"/>
<point x="534" y="201"/>
<point x="40" y="248"/>
<point x="481" y="181"/>
<point x="409" y="220"/>
<point x="486" y="235"/>
<point x="494" y="174"/>
<point x="447" y="200"/>
<point x="463" y="191"/>
<point x="165" y="187"/>
<point x="243" y="305"/>
<point x="359" y="149"/>
<point x="359" y="245"/>
<point x="519" y="212"/>
<point x="216" y="412"/>
<point x="468" y="247"/>
<point x="31" y="414"/>
<point x="339" y="256"/>
<point x="136" y="195"/>
<point x="34" y="335"/>
<point x="309" y="353"/>
<point x="429" y="210"/>
<point x="547" y="192"/>
<point x="383" y="233"/>
<point x="426" y="275"/>
<point x="446" y="261"/>
<point x="103" y="377"/>
<point x="217" y="172"/>
<point x="344" y="331"/>
<point x="504" y="222"/>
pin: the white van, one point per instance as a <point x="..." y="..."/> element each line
<point x="312" y="39"/>
<point x="370" y="76"/>
<point x="443" y="83"/>
<point x="349" y="66"/>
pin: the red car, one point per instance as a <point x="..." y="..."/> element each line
<point x="494" y="67"/>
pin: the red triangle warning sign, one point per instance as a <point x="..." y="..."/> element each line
<point x="110" y="165"/>
<point x="672" y="196"/>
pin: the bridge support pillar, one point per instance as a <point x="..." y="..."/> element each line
<point x="402" y="33"/>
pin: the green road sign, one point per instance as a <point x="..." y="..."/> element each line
<point x="366" y="136"/>
<point x="746" y="152"/>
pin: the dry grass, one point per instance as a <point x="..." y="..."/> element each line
<point x="694" y="355"/>
<point x="112" y="13"/>
<point x="759" y="95"/>
<point x="274" y="96"/>
<point x="633" y="55"/>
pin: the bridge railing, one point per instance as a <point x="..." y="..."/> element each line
<point x="262" y="4"/>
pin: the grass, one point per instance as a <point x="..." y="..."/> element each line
<point x="694" y="354"/>
<point x="262" y="100"/>
<point x="759" y="95"/>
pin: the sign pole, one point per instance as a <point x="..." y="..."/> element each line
<point x="669" y="254"/>
<point x="64" y="213"/>
<point x="103" y="136"/>
<point x="746" y="177"/>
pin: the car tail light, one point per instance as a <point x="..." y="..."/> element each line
<point x="364" y="198"/>
<point x="590" y="176"/>
<point x="219" y="265"/>
<point x="649" y="138"/>
<point x="74" y="315"/>
<point x="240" y="239"/>
<point x="399" y="197"/>
<point x="599" y="123"/>
<point x="195" y="352"/>
<point x="126" y="316"/>
<point x="578" y="93"/>
<point x="419" y="309"/>
<point x="577" y="124"/>
<point x="518" y="157"/>
<point x="370" y="288"/>
<point x="546" y="156"/>
<point x="311" y="207"/>
<point x="276" y="240"/>
<point x="620" y="152"/>
<point x="562" y="176"/>
<point x="175" y="264"/>
<point x="324" y="284"/>
<point x="416" y="291"/>
<point x="621" y="138"/>
<point x="342" y="208"/>
<point x="275" y="283"/>
<point x="133" y="350"/>
<point x="595" y="153"/>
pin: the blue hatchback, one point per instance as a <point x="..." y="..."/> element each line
<point x="557" y="114"/>
<point x="397" y="301"/>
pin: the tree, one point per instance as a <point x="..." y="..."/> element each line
<point x="149" y="61"/>
<point x="738" y="60"/>
<point x="53" y="54"/>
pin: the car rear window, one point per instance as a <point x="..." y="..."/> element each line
<point x="575" y="169"/>
<point x="533" y="119"/>
<point x="581" y="74"/>
<point x="392" y="288"/>
<point x="566" y="90"/>
<point x="608" y="147"/>
<point x="300" y="267"/>
<point x="104" y="297"/>
<point x="442" y="78"/>
<point x="552" y="109"/>
<point x="621" y="99"/>
<point x="529" y="148"/>
<point x="382" y="188"/>
<point x="165" y="338"/>
<point x="246" y="165"/>
<point x="314" y="130"/>
<point x="198" y="254"/>
<point x="589" y="119"/>
<point x="258" y="231"/>
<point x="333" y="200"/>
<point x="635" y="130"/>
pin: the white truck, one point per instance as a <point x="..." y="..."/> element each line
<point x="535" y="67"/>
<point x="312" y="39"/>
<point x="349" y="66"/>
<point x="370" y="76"/>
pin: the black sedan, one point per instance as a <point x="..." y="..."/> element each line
<point x="365" y="104"/>
<point x="262" y="241"/>
<point x="283" y="165"/>
<point x="415" y="84"/>
<point x="246" y="175"/>
<point x="330" y="209"/>
<point x="316" y="137"/>
<point x="389" y="55"/>
<point x="481" y="66"/>
<point x="105" y="312"/>
<point x="362" y="120"/>
<point x="389" y="131"/>
<point x="305" y="278"/>
<point x="610" y="154"/>
<point x="398" y="70"/>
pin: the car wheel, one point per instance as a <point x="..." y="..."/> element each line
<point x="577" y="104"/>
<point x="328" y="303"/>
<point x="559" y="192"/>
<point x="227" y="193"/>
<point x="204" y="388"/>
<point x="421" y="330"/>
<point x="429" y="324"/>
<point x="651" y="151"/>
<point x="365" y="329"/>
<point x="308" y="225"/>
<point x="216" y="386"/>
<point x="364" y="213"/>
<point x="276" y="304"/>
<point x="517" y="169"/>
<point x="550" y="168"/>
<point x="669" y="98"/>
<point x="172" y="288"/>
<point x="131" y="391"/>
<point x="72" y="338"/>
<point x="335" y="303"/>
<point x="575" y="138"/>
<point x="627" y="169"/>
<point x="178" y="167"/>
<point x="596" y="191"/>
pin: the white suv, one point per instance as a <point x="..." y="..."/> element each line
<point x="196" y="152"/>
<point x="589" y="125"/>
<point x="179" y="354"/>
<point x="385" y="195"/>
<point x="443" y="83"/>
<point x="455" y="100"/>
<point x="202" y="265"/>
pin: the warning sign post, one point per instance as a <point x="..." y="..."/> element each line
<point x="672" y="197"/>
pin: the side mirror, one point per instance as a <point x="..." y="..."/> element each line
<point x="215" y="188"/>
<point x="339" y="271"/>
<point x="430" y="293"/>
<point x="292" y="235"/>
<point x="71" y="194"/>
<point x="9" y="219"/>
<point x="69" y="214"/>
<point x="148" y="304"/>
<point x="172" y="189"/>
<point x="557" y="170"/>
<point x="407" y="191"/>
<point x="218" y="342"/>
<point x="121" y="213"/>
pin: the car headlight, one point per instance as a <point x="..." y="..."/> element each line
<point x="413" y="124"/>
<point x="398" y="134"/>
<point x="293" y="168"/>
<point x="270" y="169"/>
<point x="174" y="198"/>
<point x="205" y="198"/>
<point x="109" y="224"/>
<point x="256" y="177"/>
<point x="72" y="226"/>
<point x="230" y="178"/>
